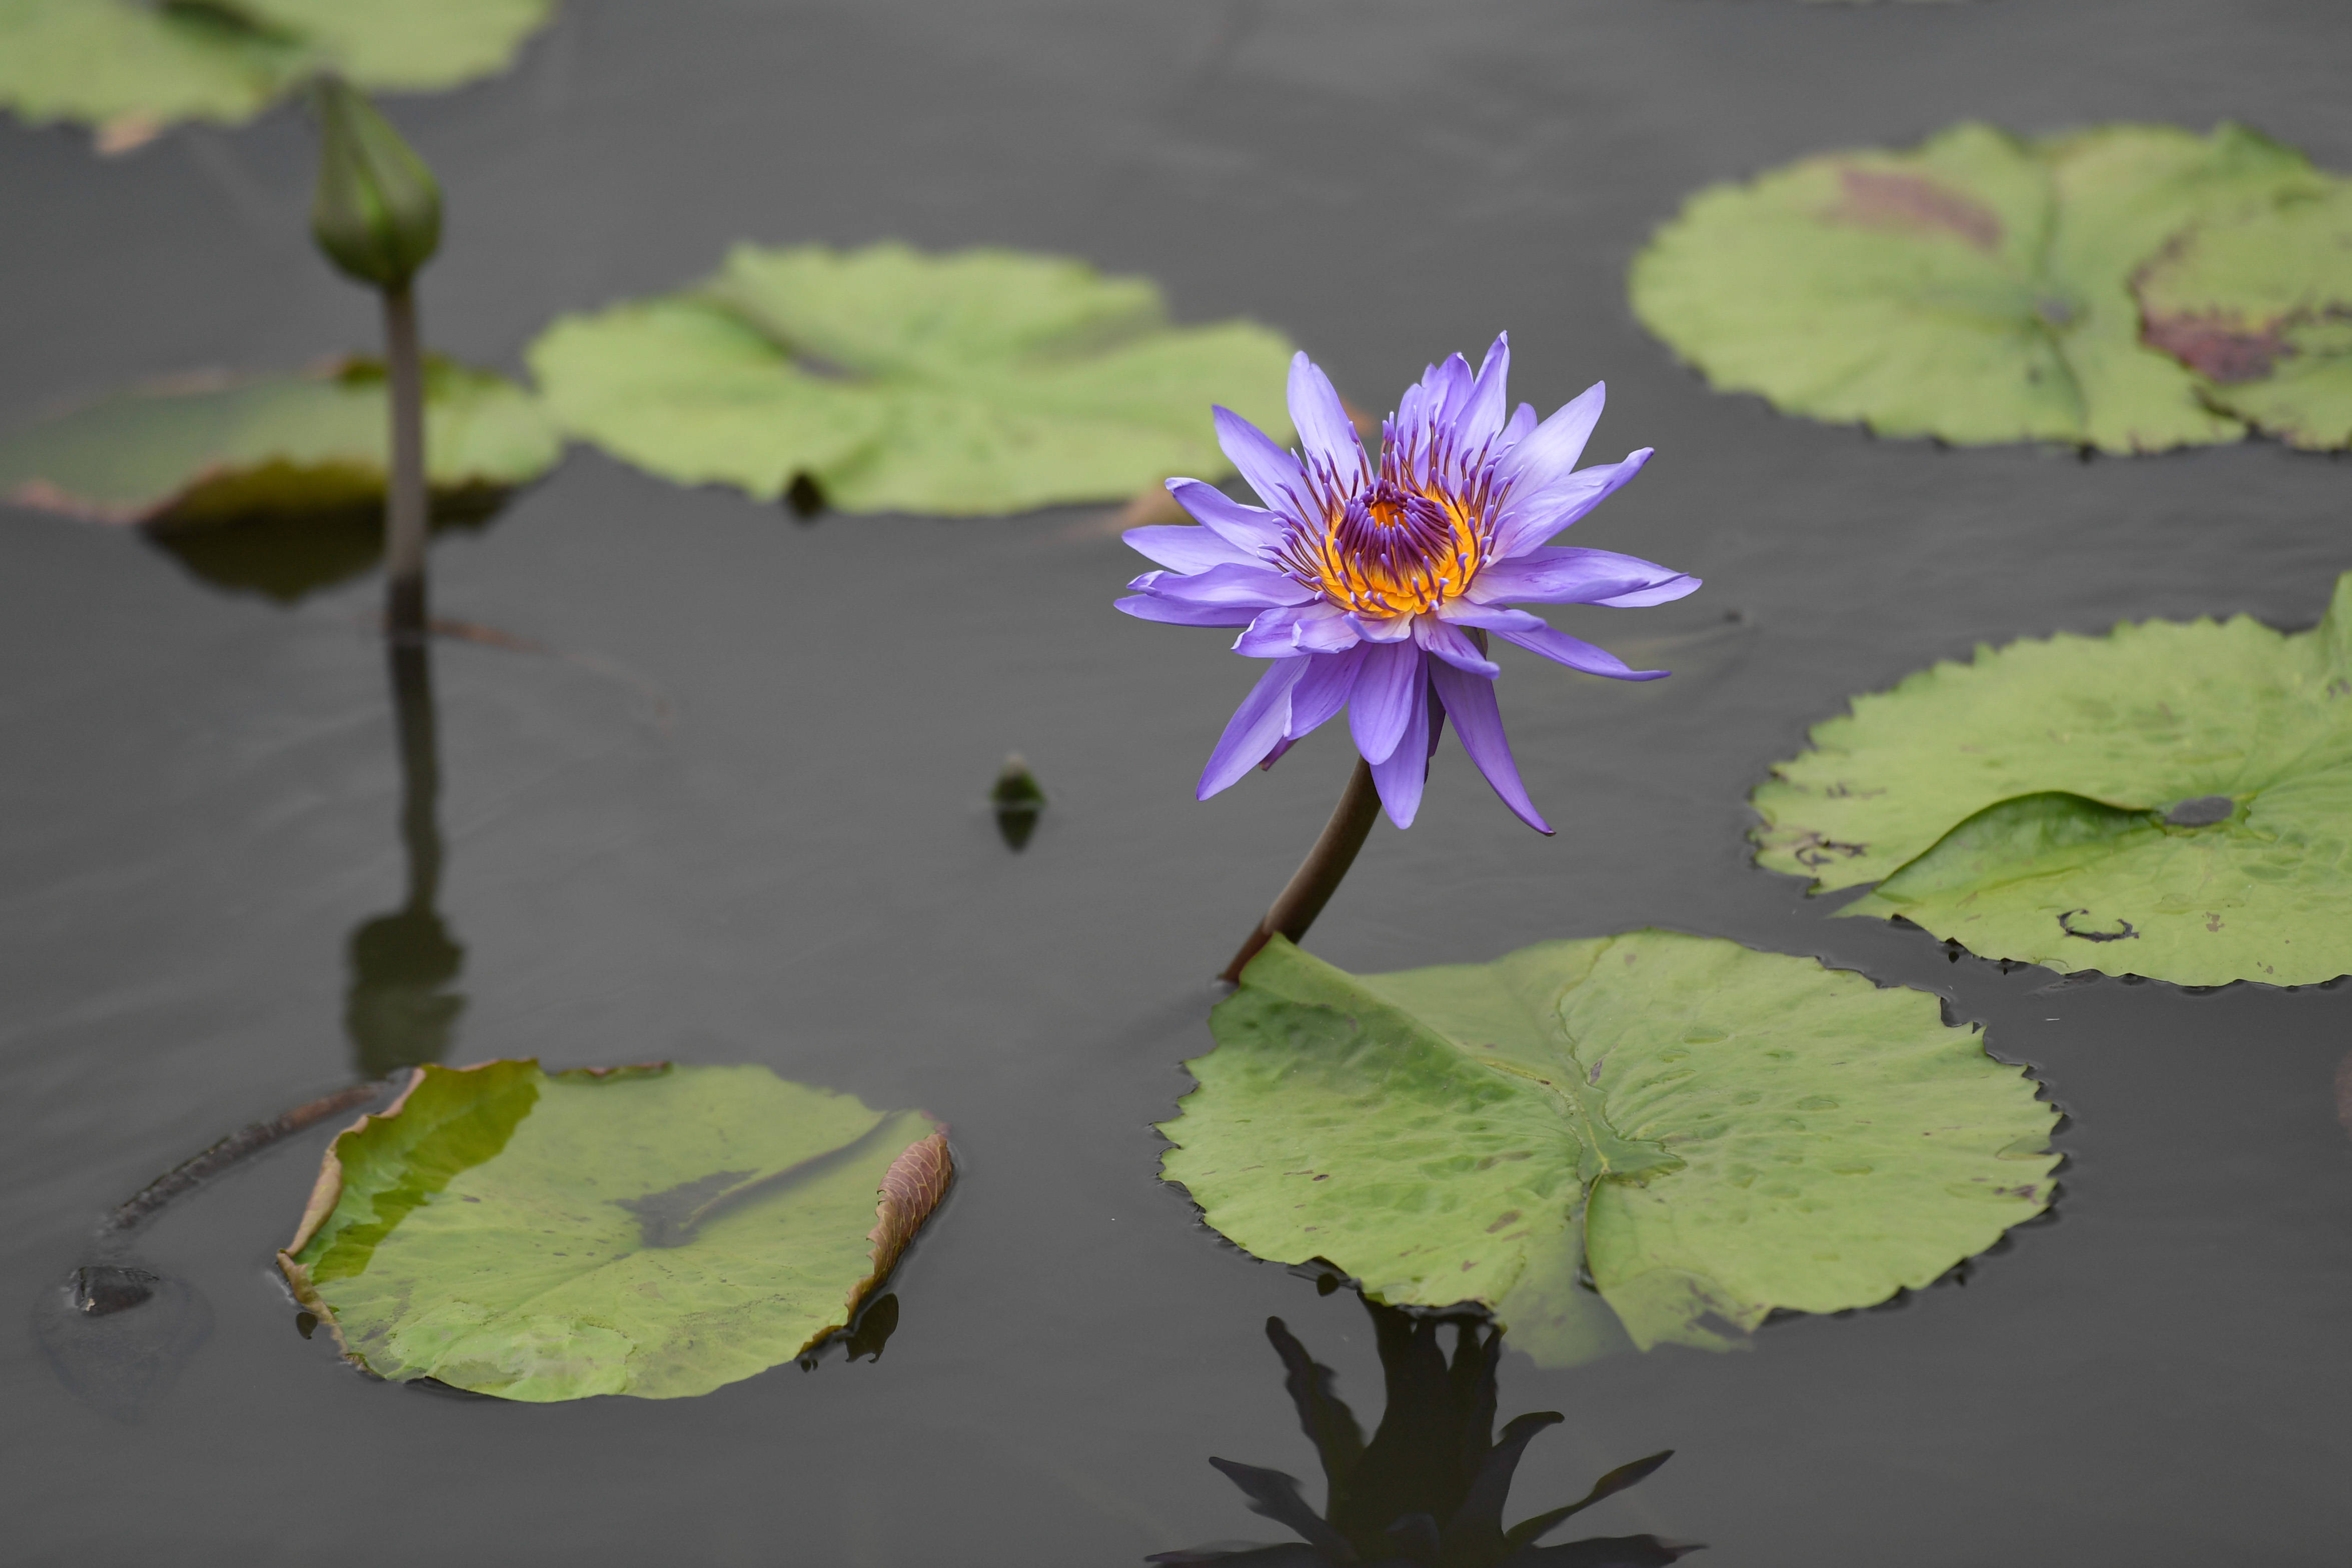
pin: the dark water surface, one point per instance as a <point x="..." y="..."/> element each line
<point x="742" y="816"/>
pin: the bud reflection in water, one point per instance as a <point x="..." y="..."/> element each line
<point x="400" y="1010"/>
<point x="1429" y="1489"/>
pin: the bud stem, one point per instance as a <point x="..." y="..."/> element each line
<point x="1318" y="874"/>
<point x="406" y="505"/>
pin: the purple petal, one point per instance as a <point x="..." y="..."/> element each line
<point x="1251" y="529"/>
<point x="1482" y="418"/>
<point x="1476" y="719"/>
<point x="1557" y="574"/>
<point x="1388" y="692"/>
<point x="1522" y="425"/>
<point x="1326" y="434"/>
<point x="1323" y="690"/>
<point x="1552" y="449"/>
<point x="1395" y="629"/>
<point x="1672" y="589"/>
<point x="1232" y="583"/>
<point x="1411" y="418"/>
<point x="1273" y="472"/>
<point x="1450" y="645"/>
<point x="1327" y="629"/>
<point x="1273" y="634"/>
<point x="1253" y="730"/>
<point x="1492" y="617"/>
<point x="1536" y="636"/>
<point x="1186" y="548"/>
<point x="1400" y="775"/>
<point x="1529" y="516"/>
<point x="1449" y="386"/>
<point x="1149" y="607"/>
<point x="1287" y="631"/>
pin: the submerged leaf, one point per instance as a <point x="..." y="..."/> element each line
<point x="1988" y="288"/>
<point x="1713" y="1132"/>
<point x="137" y="67"/>
<point x="981" y="381"/>
<point x="2170" y="800"/>
<point x="658" y="1231"/>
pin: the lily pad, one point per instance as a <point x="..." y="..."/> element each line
<point x="1991" y="287"/>
<point x="2260" y="309"/>
<point x="1709" y="1130"/>
<point x="889" y="379"/>
<point x="134" y="67"/>
<point x="2171" y="800"/>
<point x="277" y="482"/>
<point x="659" y="1231"/>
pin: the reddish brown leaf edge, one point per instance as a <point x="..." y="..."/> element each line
<point x="911" y="1190"/>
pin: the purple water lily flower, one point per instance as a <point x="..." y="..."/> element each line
<point x="1372" y="588"/>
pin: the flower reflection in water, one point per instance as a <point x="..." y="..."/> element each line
<point x="1428" y="1491"/>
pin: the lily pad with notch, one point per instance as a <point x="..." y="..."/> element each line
<point x="1704" y="1132"/>
<point x="885" y="379"/>
<point x="274" y="483"/>
<point x="2106" y="289"/>
<point x="2170" y="799"/>
<point x="134" y="66"/>
<point x="657" y="1231"/>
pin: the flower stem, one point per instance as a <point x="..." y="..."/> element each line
<point x="190" y="1174"/>
<point x="1318" y="874"/>
<point x="405" y="510"/>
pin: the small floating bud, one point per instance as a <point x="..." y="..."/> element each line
<point x="1018" y="801"/>
<point x="377" y="211"/>
<point x="804" y="497"/>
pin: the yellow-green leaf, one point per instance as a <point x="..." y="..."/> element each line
<point x="659" y="1231"/>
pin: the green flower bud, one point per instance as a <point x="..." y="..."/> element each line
<point x="377" y="214"/>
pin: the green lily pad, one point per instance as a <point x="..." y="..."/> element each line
<point x="976" y="381"/>
<point x="2261" y="309"/>
<point x="204" y="451"/>
<point x="2171" y="800"/>
<point x="1709" y="1130"/>
<point x="1989" y="287"/>
<point x="134" y="67"/>
<point x="659" y="1231"/>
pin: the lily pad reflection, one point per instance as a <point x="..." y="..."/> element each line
<point x="1429" y="1489"/>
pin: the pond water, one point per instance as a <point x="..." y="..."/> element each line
<point x="737" y="811"/>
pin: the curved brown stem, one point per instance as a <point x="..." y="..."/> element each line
<point x="189" y="1174"/>
<point x="1318" y="874"/>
